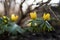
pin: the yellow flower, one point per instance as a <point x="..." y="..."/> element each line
<point x="5" y="21"/>
<point x="35" y="24"/>
<point x="4" y="17"/>
<point x="14" y="17"/>
<point x="46" y="16"/>
<point x="33" y="15"/>
<point x="29" y="24"/>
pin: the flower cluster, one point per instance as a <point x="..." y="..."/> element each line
<point x="46" y="16"/>
<point x="40" y="24"/>
<point x="34" y="25"/>
<point x="8" y="24"/>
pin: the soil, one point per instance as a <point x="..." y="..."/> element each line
<point x="54" y="35"/>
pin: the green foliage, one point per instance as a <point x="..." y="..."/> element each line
<point x="46" y="26"/>
<point x="38" y="25"/>
<point x="42" y="26"/>
<point x="14" y="28"/>
<point x="8" y="26"/>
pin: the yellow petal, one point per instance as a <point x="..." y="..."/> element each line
<point x="33" y="15"/>
<point x="14" y="17"/>
<point x="46" y="16"/>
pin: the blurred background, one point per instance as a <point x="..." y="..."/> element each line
<point x="14" y="5"/>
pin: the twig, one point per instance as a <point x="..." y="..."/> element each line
<point x="53" y="13"/>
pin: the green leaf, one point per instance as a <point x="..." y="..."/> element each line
<point x="20" y="30"/>
<point x="49" y="26"/>
<point x="4" y="27"/>
<point x="14" y="28"/>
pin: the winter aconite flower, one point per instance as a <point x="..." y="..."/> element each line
<point x="5" y="21"/>
<point x="35" y="24"/>
<point x="14" y="17"/>
<point x="4" y="17"/>
<point x="33" y="15"/>
<point x="46" y="16"/>
<point x="29" y="24"/>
